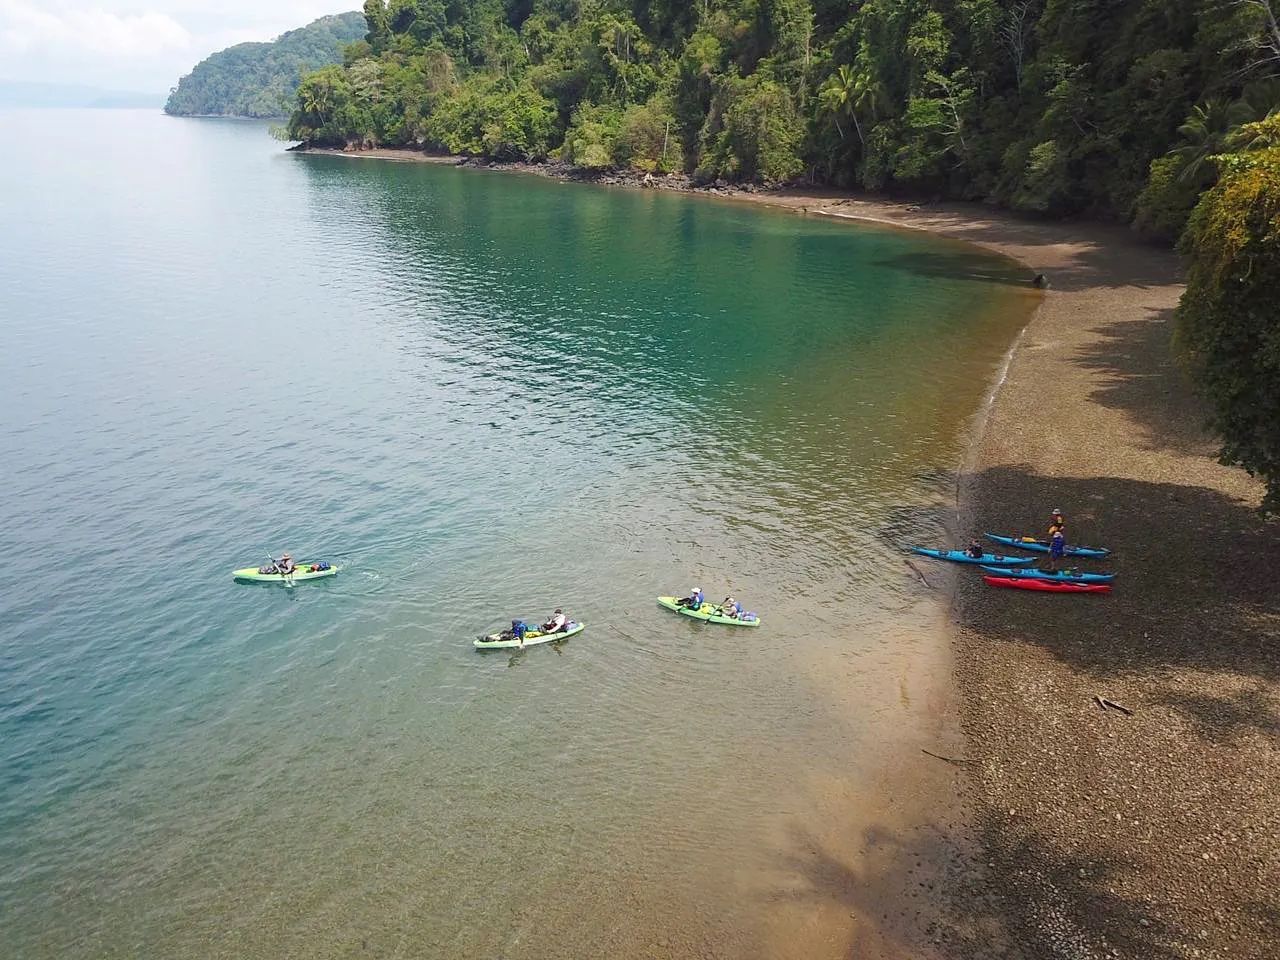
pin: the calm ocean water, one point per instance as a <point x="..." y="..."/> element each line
<point x="486" y="396"/>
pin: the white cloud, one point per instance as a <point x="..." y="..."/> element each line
<point x="27" y="27"/>
<point x="137" y="44"/>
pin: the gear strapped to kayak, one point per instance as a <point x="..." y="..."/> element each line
<point x="270" y="573"/>
<point x="507" y="639"/>
<point x="710" y="612"/>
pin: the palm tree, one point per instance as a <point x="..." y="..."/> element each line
<point x="847" y="92"/>
<point x="1205" y="133"/>
<point x="317" y="100"/>
<point x="834" y="95"/>
<point x="867" y="94"/>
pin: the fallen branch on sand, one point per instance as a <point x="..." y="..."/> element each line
<point x="1104" y="704"/>
<point x="938" y="756"/>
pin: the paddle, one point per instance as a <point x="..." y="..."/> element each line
<point x="288" y="577"/>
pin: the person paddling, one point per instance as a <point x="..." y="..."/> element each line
<point x="731" y="608"/>
<point x="557" y="622"/>
<point x="285" y="565"/>
<point x="974" y="549"/>
<point x="693" y="601"/>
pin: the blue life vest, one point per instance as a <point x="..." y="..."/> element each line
<point x="518" y="629"/>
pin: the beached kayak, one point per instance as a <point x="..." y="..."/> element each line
<point x="959" y="556"/>
<point x="1046" y="586"/>
<point x="303" y="571"/>
<point x="1062" y="576"/>
<point x="1042" y="546"/>
<point x="710" y="612"/>
<point x="495" y="641"/>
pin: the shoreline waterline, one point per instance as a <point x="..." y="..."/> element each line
<point x="925" y="814"/>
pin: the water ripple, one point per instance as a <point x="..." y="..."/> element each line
<point x="484" y="397"/>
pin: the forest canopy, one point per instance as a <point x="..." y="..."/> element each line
<point x="260" y="79"/>
<point x="1057" y="107"/>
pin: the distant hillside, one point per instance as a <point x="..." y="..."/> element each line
<point x="21" y="93"/>
<point x="260" y="79"/>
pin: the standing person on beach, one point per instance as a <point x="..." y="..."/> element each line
<point x="1057" y="522"/>
<point x="1057" y="547"/>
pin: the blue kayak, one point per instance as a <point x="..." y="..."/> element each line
<point x="1042" y="546"/>
<point x="1062" y="576"/>
<point x="959" y="556"/>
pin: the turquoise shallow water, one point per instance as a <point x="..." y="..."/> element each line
<point x="486" y="396"/>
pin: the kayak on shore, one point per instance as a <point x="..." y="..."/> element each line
<point x="1062" y="576"/>
<point x="1045" y="586"/>
<point x="503" y="640"/>
<point x="1042" y="546"/>
<point x="310" y="570"/>
<point x="959" y="556"/>
<point x="710" y="612"/>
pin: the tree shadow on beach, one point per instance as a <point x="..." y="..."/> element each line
<point x="1225" y="717"/>
<point x="1195" y="587"/>
<point x="1077" y="256"/>
<point x="1136" y="362"/>
<point x="1027" y="909"/>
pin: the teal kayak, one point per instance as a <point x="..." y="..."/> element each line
<point x="495" y="641"/>
<point x="710" y="612"/>
<point x="1042" y="546"/>
<point x="309" y="570"/>
<point x="1061" y="576"/>
<point x="959" y="556"/>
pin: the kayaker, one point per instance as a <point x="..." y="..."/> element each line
<point x="285" y="564"/>
<point x="693" y="601"/>
<point x="557" y="622"/>
<point x="1057" y="522"/>
<point x="1057" y="547"/>
<point x="731" y="608"/>
<point x="518" y="629"/>
<point x="974" y="549"/>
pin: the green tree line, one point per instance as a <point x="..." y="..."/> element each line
<point x="1103" y="107"/>
<point x="261" y="79"/>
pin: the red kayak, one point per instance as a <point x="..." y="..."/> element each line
<point x="1048" y="586"/>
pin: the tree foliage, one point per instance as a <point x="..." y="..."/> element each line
<point x="1229" y="319"/>
<point x="1052" y="106"/>
<point x="260" y="79"/>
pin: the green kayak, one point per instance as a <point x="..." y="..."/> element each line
<point x="494" y="641"/>
<point x="710" y="612"/>
<point x="303" y="571"/>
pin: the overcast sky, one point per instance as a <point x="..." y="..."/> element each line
<point x="143" y="45"/>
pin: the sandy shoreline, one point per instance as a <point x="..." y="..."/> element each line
<point x="1156" y="834"/>
<point x="1101" y="835"/>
